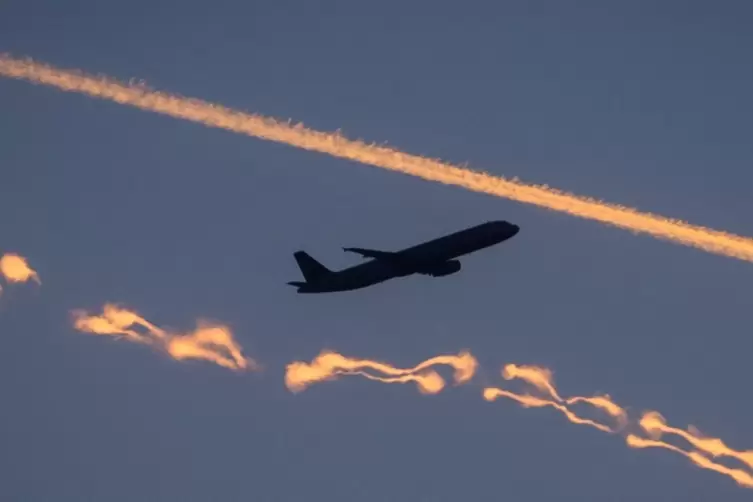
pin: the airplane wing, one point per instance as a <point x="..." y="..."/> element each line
<point x="441" y="269"/>
<point x="372" y="253"/>
<point x="397" y="259"/>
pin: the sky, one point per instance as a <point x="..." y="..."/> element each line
<point x="636" y="103"/>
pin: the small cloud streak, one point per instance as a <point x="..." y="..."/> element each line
<point x="15" y="269"/>
<point x="541" y="379"/>
<point x="329" y="365"/>
<point x="651" y="423"/>
<point x="209" y="341"/>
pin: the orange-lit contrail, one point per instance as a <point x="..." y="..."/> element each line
<point x="328" y="365"/>
<point x="654" y="424"/>
<point x="210" y="342"/>
<point x="743" y="478"/>
<point x="542" y="380"/>
<point x="212" y="115"/>
<point x="15" y="268"/>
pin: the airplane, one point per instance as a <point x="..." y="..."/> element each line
<point x="435" y="258"/>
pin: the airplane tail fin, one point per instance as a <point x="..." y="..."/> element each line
<point x="310" y="268"/>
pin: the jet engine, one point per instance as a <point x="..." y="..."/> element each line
<point x="445" y="268"/>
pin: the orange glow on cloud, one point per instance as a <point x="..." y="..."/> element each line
<point x="15" y="268"/>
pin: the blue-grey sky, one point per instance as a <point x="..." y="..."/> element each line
<point x="642" y="103"/>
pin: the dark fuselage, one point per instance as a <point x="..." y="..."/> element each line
<point x="431" y="258"/>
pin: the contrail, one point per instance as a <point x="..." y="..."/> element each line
<point x="215" y="343"/>
<point x="258" y="126"/>
<point x="652" y="423"/>
<point x="541" y="379"/>
<point x="210" y="342"/>
<point x="742" y="477"/>
<point x="328" y="365"/>
<point x="655" y="425"/>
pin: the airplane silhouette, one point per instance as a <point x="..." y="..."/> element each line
<point x="435" y="258"/>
